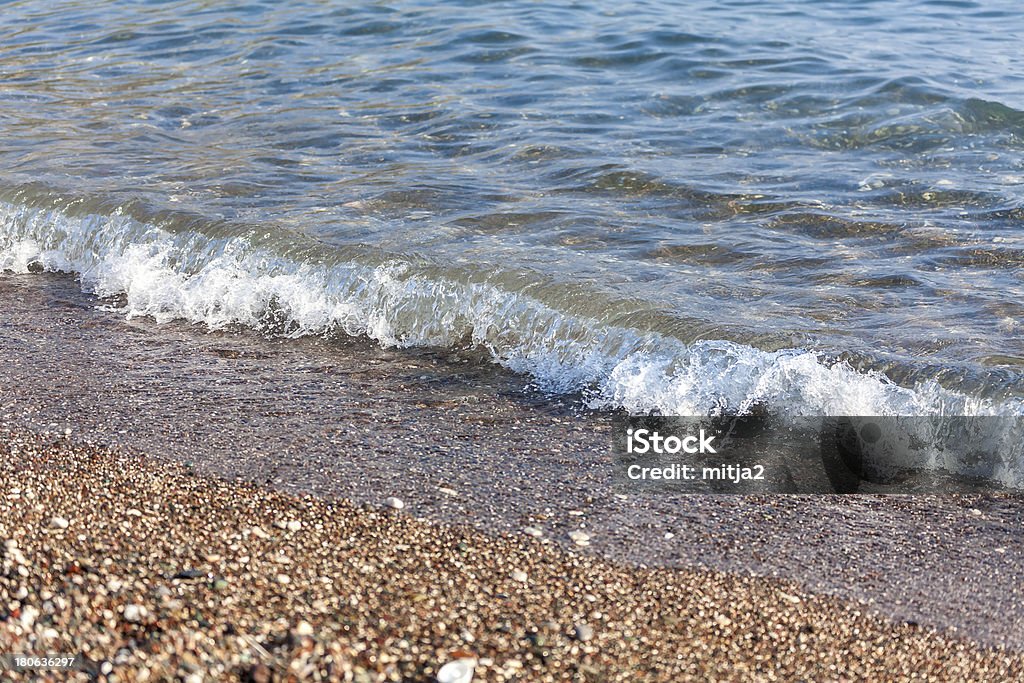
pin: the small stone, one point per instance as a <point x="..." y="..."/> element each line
<point x="791" y="599"/>
<point x="134" y="512"/>
<point x="394" y="503"/>
<point x="723" y="620"/>
<point x="106" y="668"/>
<point x="194" y="678"/>
<point x="669" y="535"/>
<point x="520" y="576"/>
<point x="533" y="531"/>
<point x="294" y="525"/>
<point x="579" y="537"/>
<point x="188" y="574"/>
<point x="29" y="614"/>
<point x="583" y="633"/>
<point x="59" y="523"/>
<point x="50" y="634"/>
<point x="259" y="673"/>
<point x="447" y="491"/>
<point x="283" y="579"/>
<point x="220" y="584"/>
<point x="134" y="613"/>
<point x="304" y="629"/>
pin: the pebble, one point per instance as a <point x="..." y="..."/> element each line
<point x="520" y="576"/>
<point x="583" y="633"/>
<point x="59" y="523"/>
<point x="134" y="613"/>
<point x="791" y="599"/>
<point x="394" y="503"/>
<point x="284" y="578"/>
<point x="533" y="531"/>
<point x="579" y="537"/>
<point x="29" y="614"/>
<point x="304" y="629"/>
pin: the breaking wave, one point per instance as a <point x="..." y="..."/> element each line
<point x="232" y="280"/>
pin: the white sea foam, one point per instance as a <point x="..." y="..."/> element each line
<point x="220" y="281"/>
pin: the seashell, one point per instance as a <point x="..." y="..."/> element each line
<point x="457" y="671"/>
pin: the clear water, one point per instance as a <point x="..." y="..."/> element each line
<point x="683" y="208"/>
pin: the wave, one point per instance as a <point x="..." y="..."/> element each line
<point x="171" y="274"/>
<point x="224" y="280"/>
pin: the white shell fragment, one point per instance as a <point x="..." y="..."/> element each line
<point x="457" y="671"/>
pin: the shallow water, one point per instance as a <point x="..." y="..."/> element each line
<point x="809" y="206"/>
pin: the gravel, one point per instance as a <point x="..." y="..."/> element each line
<point x="377" y="595"/>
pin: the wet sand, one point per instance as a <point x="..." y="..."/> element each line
<point x="151" y="572"/>
<point x="463" y="442"/>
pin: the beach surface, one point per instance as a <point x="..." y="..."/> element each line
<point x="463" y="443"/>
<point x="150" y="572"/>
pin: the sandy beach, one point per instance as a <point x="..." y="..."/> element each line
<point x="152" y="572"/>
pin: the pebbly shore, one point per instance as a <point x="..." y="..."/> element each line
<point x="461" y="442"/>
<point x="150" y="571"/>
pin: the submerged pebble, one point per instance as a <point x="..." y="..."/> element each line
<point x="579" y="537"/>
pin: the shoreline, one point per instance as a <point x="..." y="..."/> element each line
<point x="468" y="444"/>
<point x="153" y="571"/>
